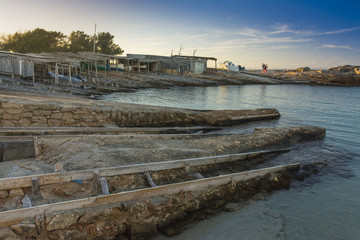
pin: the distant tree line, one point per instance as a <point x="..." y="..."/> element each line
<point x="40" y="40"/>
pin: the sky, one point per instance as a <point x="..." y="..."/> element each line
<point x="283" y="34"/>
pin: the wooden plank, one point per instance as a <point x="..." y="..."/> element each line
<point x="7" y="217"/>
<point x="54" y="130"/>
<point x="16" y="139"/>
<point x="52" y="178"/>
<point x="270" y="115"/>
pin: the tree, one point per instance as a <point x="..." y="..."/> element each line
<point x="80" y="41"/>
<point x="36" y="41"/>
<point x="105" y="44"/>
<point x="40" y="40"/>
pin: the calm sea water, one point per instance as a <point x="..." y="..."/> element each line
<point x="324" y="206"/>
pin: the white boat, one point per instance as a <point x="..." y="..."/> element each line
<point x="229" y="66"/>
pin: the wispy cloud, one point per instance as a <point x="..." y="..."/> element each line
<point x="335" y="46"/>
<point x="338" y="47"/>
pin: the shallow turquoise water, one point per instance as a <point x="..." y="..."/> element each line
<point x="325" y="206"/>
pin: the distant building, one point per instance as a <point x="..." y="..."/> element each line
<point x="174" y="64"/>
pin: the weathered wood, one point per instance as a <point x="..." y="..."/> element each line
<point x="69" y="73"/>
<point x="51" y="178"/>
<point x="271" y="115"/>
<point x="59" y="168"/>
<point x="36" y="148"/>
<point x="35" y="185"/>
<point x="149" y="179"/>
<point x="11" y="216"/>
<point x="56" y="73"/>
<point x="20" y="132"/>
<point x="96" y="182"/>
<point x="16" y="138"/>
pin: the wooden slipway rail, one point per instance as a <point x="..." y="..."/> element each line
<point x="13" y="216"/>
<point x="61" y="177"/>
<point x="36" y="131"/>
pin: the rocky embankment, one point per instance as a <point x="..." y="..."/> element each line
<point x="19" y="110"/>
<point x="85" y="152"/>
<point x="338" y="76"/>
<point x="130" y="204"/>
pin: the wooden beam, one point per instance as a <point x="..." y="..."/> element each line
<point x="60" y="177"/>
<point x="9" y="217"/>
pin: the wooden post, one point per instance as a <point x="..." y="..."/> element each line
<point x="13" y="68"/>
<point x="128" y="65"/>
<point x="116" y="64"/>
<point x="59" y="167"/>
<point x="148" y="66"/>
<point x="56" y="73"/>
<point x="69" y="73"/>
<point x="96" y="182"/>
<point x="35" y="185"/>
<point x="36" y="148"/>
<point x="96" y="73"/>
<point x="139" y="66"/>
<point x="62" y="69"/>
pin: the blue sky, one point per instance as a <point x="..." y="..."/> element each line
<point x="283" y="34"/>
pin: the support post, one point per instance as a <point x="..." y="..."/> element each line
<point x="96" y="73"/>
<point x="149" y="179"/>
<point x="35" y="185"/>
<point x="56" y="73"/>
<point x="70" y="73"/>
<point x="59" y="168"/>
<point x="12" y="68"/>
<point x="139" y="66"/>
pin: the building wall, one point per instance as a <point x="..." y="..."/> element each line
<point x="16" y="66"/>
<point x="181" y="64"/>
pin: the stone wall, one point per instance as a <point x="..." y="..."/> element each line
<point x="43" y="114"/>
<point x="140" y="219"/>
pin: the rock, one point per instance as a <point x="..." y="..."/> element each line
<point x="142" y="230"/>
<point x="61" y="220"/>
<point x="7" y="116"/>
<point x="13" y="110"/>
<point x="16" y="192"/>
<point x="24" y="123"/>
<point x="11" y="105"/>
<point x="303" y="69"/>
<point x="7" y="124"/>
<point x="8" y="234"/>
<point x="4" y="194"/>
<point x="23" y="228"/>
<point x="231" y="207"/>
<point x="57" y="115"/>
<point x="41" y="113"/>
